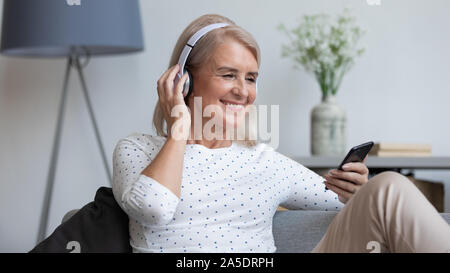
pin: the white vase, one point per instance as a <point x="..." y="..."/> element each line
<point x="328" y="128"/>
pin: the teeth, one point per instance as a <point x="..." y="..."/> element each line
<point x="234" y="105"/>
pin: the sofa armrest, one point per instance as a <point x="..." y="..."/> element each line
<point x="68" y="215"/>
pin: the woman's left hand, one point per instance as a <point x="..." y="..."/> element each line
<point x="346" y="183"/>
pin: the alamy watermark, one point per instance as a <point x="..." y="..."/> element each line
<point x="242" y="123"/>
<point x="73" y="2"/>
<point x="374" y="246"/>
<point x="373" y="2"/>
<point x="74" y="246"/>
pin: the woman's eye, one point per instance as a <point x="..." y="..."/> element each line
<point x="251" y="80"/>
<point x="228" y="76"/>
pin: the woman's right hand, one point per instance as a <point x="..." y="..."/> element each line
<point x="176" y="113"/>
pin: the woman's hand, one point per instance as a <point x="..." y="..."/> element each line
<point x="346" y="183"/>
<point x="176" y="113"/>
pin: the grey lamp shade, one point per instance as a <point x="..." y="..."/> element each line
<point x="53" y="28"/>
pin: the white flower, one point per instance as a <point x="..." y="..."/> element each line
<point x="323" y="48"/>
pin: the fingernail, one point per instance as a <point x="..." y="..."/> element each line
<point x="346" y="166"/>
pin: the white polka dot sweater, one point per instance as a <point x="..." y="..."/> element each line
<point x="227" y="201"/>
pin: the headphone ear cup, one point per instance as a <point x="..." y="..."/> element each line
<point x="188" y="85"/>
<point x="185" y="85"/>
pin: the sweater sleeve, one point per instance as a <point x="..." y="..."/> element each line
<point x="306" y="188"/>
<point x="143" y="198"/>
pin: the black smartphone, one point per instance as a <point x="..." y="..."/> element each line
<point x="357" y="154"/>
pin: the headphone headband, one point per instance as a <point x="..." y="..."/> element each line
<point x="188" y="47"/>
<point x="202" y="32"/>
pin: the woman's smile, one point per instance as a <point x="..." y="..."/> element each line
<point x="233" y="106"/>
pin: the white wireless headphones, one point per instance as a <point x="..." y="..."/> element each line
<point x="188" y="85"/>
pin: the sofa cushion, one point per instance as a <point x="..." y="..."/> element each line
<point x="300" y="231"/>
<point x="100" y="226"/>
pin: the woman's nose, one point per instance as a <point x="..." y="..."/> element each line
<point x="240" y="88"/>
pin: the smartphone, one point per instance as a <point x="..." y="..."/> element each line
<point x="357" y="154"/>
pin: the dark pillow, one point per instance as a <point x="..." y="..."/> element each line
<point x="100" y="226"/>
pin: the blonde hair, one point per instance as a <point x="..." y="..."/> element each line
<point x="201" y="53"/>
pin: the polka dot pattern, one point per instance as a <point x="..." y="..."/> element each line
<point x="228" y="196"/>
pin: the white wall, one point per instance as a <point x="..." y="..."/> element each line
<point x="398" y="91"/>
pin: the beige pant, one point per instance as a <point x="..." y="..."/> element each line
<point x="387" y="214"/>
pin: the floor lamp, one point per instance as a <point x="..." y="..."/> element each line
<point x="56" y="28"/>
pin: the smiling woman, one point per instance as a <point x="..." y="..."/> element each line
<point x="224" y="65"/>
<point x="209" y="195"/>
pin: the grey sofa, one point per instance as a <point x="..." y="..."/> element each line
<point x="296" y="231"/>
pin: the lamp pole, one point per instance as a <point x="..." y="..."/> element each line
<point x="73" y="60"/>
<point x="51" y="28"/>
